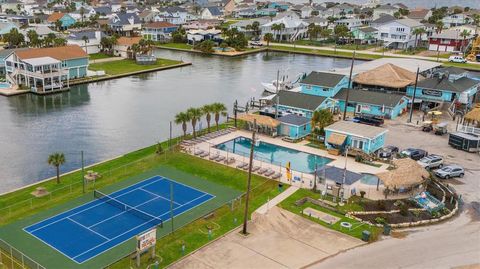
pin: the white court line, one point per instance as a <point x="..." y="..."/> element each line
<point x="159" y="196"/>
<point x="141" y="226"/>
<point x="78" y="223"/>
<point x="88" y="208"/>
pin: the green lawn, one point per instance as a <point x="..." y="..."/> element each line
<point x="326" y="52"/>
<point x="128" y="66"/>
<point x="177" y="46"/>
<point x="99" y="55"/>
<point x="357" y="228"/>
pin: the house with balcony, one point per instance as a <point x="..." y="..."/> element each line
<point x="45" y="70"/>
<point x="398" y="34"/>
<point x="65" y="19"/>
<point x="174" y="15"/>
<point x="323" y="84"/>
<point x="295" y="29"/>
<point x="448" y="41"/>
<point x="349" y="23"/>
<point x="125" y="24"/>
<point x="88" y="40"/>
<point x="158" y="31"/>
<point x="384" y="10"/>
<point x="454" y="20"/>
<point x="365" y="35"/>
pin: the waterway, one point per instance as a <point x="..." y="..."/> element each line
<point x="110" y="118"/>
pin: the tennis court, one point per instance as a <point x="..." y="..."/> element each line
<point x="86" y="231"/>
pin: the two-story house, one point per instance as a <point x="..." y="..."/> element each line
<point x="158" y="31"/>
<point x="293" y="29"/>
<point x="349" y="23"/>
<point x="399" y="33"/>
<point x="448" y="41"/>
<point x="65" y="19"/>
<point x="454" y="20"/>
<point x="88" y="40"/>
<point x="384" y="10"/>
<point x="323" y="83"/>
<point x="125" y="24"/>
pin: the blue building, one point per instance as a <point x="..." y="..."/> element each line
<point x="381" y="104"/>
<point x="294" y="126"/>
<point x="65" y="19"/>
<point x="353" y="135"/>
<point x="323" y="84"/>
<point x="279" y="5"/>
<point x="448" y="85"/>
<point x="301" y="104"/>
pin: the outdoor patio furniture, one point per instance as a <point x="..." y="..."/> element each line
<point x="220" y="158"/>
<point x="246" y="167"/>
<point x="230" y="160"/>
<point x="269" y="172"/>
<point x="199" y="152"/>
<point x="241" y="165"/>
<point x="205" y="154"/>
<point x="255" y="168"/>
<point x="262" y="170"/>
<point x="277" y="175"/>
<point x="214" y="156"/>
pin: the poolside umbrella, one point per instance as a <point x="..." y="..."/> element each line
<point x="289" y="172"/>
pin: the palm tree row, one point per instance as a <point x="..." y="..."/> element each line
<point x="194" y="115"/>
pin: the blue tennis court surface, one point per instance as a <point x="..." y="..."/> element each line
<point x="95" y="227"/>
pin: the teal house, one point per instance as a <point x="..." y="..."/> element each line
<point x="266" y="12"/>
<point x="279" y="5"/>
<point x="64" y="18"/>
<point x="365" y="34"/>
<point x="294" y="126"/>
<point x="323" y="84"/>
<point x="448" y="85"/>
<point x="343" y="134"/>
<point x="301" y="104"/>
<point x="375" y="103"/>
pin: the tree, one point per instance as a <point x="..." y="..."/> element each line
<point x="105" y="42"/>
<point x="82" y="13"/>
<point x="59" y="42"/>
<point x="14" y="38"/>
<point x="85" y="41"/>
<point x="207" y="111"/>
<point x="418" y="32"/>
<point x="439" y="26"/>
<point x="268" y="37"/>
<point x="205" y="46"/>
<point x="56" y="159"/>
<point x="58" y="25"/>
<point x="218" y="109"/>
<point x="465" y="33"/>
<point x="325" y="33"/>
<point x="321" y="119"/>
<point x="182" y="118"/>
<point x="158" y="148"/>
<point x="223" y="46"/>
<point x="33" y="38"/>
<point x="134" y="49"/>
<point x="48" y="40"/>
<point x="195" y="115"/>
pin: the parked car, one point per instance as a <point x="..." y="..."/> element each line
<point x="457" y="59"/>
<point x="450" y="171"/>
<point x="369" y="120"/>
<point x="387" y="152"/>
<point x="415" y="154"/>
<point x="431" y="161"/>
<point x="256" y="43"/>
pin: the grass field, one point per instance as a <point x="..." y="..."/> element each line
<point x="289" y="205"/>
<point x="177" y="46"/>
<point x="128" y="66"/>
<point x="96" y="56"/>
<point x="326" y="52"/>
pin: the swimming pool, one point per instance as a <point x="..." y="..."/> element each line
<point x="4" y="85"/>
<point x="369" y="179"/>
<point x="266" y="152"/>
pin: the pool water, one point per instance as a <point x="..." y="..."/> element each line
<point x="369" y="179"/>
<point x="4" y="85"/>
<point x="299" y="161"/>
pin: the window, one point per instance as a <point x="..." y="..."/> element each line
<point x="357" y="143"/>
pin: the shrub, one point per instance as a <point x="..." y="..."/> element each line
<point x="381" y="205"/>
<point x="416" y="213"/>
<point x="380" y="220"/>
<point x="158" y="148"/>
<point x="404" y="210"/>
<point x="362" y="194"/>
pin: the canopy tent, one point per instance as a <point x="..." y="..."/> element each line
<point x="474" y="114"/>
<point x="387" y="75"/>
<point x="261" y="120"/>
<point x="407" y="173"/>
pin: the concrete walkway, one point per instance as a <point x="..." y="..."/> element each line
<point x="388" y="54"/>
<point x="104" y="60"/>
<point x="275" y="201"/>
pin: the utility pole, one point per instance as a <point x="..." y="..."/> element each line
<point x="245" y="215"/>
<point x="344" y="174"/>
<point x="414" y="94"/>
<point x="349" y="85"/>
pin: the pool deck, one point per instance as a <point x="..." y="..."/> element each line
<point x="306" y="179"/>
<point x="12" y="91"/>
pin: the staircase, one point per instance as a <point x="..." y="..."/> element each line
<point x="12" y="77"/>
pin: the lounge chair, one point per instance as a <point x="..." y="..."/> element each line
<point x="246" y="167"/>
<point x="214" y="156"/>
<point x="262" y="170"/>
<point x="241" y="165"/>
<point x="220" y="158"/>
<point x="230" y="160"/>
<point x="269" y="172"/>
<point x="199" y="152"/>
<point x="205" y="154"/>
<point x="255" y="168"/>
<point x="277" y="175"/>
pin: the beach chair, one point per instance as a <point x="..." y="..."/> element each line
<point x="269" y="172"/>
<point x="241" y="165"/>
<point x="255" y="168"/>
<point x="220" y="158"/>
<point x="199" y="152"/>
<point x="230" y="160"/>
<point x="246" y="167"/>
<point x="277" y="175"/>
<point x="214" y="156"/>
<point x="205" y="154"/>
<point x="262" y="170"/>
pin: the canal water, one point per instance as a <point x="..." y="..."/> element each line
<point x="110" y="118"/>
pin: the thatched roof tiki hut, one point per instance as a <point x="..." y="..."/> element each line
<point x="406" y="175"/>
<point x="265" y="124"/>
<point x="473" y="117"/>
<point x="387" y="76"/>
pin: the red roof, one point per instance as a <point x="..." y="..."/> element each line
<point x="60" y="53"/>
<point x="55" y="16"/>
<point x="159" y="24"/>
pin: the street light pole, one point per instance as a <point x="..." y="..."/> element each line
<point x="245" y="215"/>
<point x="413" y="97"/>
<point x="349" y="86"/>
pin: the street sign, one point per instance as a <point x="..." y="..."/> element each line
<point x="146" y="240"/>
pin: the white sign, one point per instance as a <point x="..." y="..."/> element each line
<point x="146" y="240"/>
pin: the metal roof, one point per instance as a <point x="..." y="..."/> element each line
<point x="370" y="97"/>
<point x="460" y="85"/>
<point x="337" y="174"/>
<point x="300" y="100"/>
<point x="324" y="79"/>
<point x="356" y="129"/>
<point x="294" y="119"/>
<point x="41" y="61"/>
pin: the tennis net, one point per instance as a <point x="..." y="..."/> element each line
<point x="129" y="209"/>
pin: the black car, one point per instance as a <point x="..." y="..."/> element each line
<point x="369" y="120"/>
<point x="415" y="154"/>
<point x="387" y="152"/>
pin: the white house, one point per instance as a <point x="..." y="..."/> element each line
<point x="350" y="23"/>
<point x="88" y="40"/>
<point x="306" y="12"/>
<point x="211" y="13"/>
<point x="124" y="45"/>
<point x="454" y="20"/>
<point x="294" y="29"/>
<point x="382" y="10"/>
<point x="175" y="15"/>
<point x="195" y="36"/>
<point x="125" y="23"/>
<point x="399" y="33"/>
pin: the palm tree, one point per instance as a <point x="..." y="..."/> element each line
<point x="218" y="109"/>
<point x="182" y="118"/>
<point x="321" y="119"/>
<point x="418" y="32"/>
<point x="195" y="115"/>
<point x="207" y="111"/>
<point x="33" y="37"/>
<point x="86" y="40"/>
<point x="276" y="27"/>
<point x="439" y="26"/>
<point x="268" y="37"/>
<point x="56" y="159"/>
<point x="465" y="33"/>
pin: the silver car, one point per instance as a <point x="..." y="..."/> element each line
<point x="450" y="171"/>
<point x="431" y="161"/>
